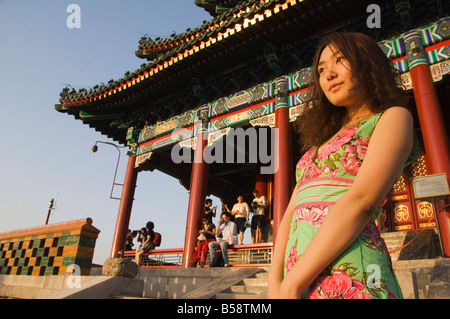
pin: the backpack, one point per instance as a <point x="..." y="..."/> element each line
<point x="217" y="260"/>
<point x="157" y="239"/>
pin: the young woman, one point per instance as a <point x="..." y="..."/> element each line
<point x="358" y="137"/>
<point x="209" y="235"/>
<point x="148" y="235"/>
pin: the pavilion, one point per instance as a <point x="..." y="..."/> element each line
<point x="249" y="68"/>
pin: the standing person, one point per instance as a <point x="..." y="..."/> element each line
<point x="225" y="208"/>
<point x="358" y="138"/>
<point x="210" y="211"/>
<point x="241" y="212"/>
<point x="225" y="229"/>
<point x="259" y="205"/>
<point x="207" y="232"/>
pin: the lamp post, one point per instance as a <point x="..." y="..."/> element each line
<point x="126" y="201"/>
<point x="94" y="149"/>
<point x="50" y="207"/>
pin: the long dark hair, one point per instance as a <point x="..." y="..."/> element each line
<point x="375" y="84"/>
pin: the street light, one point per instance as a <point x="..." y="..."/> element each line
<point x="50" y="207"/>
<point x="94" y="149"/>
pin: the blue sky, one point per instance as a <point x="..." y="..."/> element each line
<point x="46" y="154"/>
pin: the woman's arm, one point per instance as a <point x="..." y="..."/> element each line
<point x="276" y="267"/>
<point x="210" y="230"/>
<point x="388" y="150"/>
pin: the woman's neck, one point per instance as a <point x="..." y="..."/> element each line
<point x="356" y="115"/>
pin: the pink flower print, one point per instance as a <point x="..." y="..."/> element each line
<point x="330" y="172"/>
<point x="314" y="214"/>
<point x="336" y="143"/>
<point x="310" y="172"/>
<point x="292" y="259"/>
<point x="306" y="158"/>
<point x="337" y="286"/>
<point x="354" y="155"/>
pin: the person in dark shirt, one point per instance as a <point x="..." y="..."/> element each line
<point x="207" y="235"/>
<point x="210" y="211"/>
<point x="149" y="235"/>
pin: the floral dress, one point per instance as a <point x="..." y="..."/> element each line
<point x="364" y="269"/>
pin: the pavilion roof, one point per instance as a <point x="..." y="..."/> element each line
<point x="229" y="39"/>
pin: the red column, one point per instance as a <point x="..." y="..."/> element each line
<point x="261" y="183"/>
<point x="199" y="183"/>
<point x="283" y="155"/>
<point x="126" y="203"/>
<point x="432" y="124"/>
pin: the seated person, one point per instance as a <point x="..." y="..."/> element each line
<point x="226" y="228"/>
<point x="130" y="236"/>
<point x="208" y="231"/>
<point x="148" y="237"/>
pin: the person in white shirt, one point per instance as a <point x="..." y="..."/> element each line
<point x="241" y="212"/>
<point x="228" y="230"/>
<point x="259" y="205"/>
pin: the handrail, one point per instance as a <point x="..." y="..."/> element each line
<point x="168" y="263"/>
<point x="241" y="247"/>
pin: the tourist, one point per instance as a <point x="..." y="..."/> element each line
<point x="259" y="205"/>
<point x="228" y="231"/>
<point x="148" y="236"/>
<point x="206" y="235"/>
<point x="357" y="137"/>
<point x="210" y="211"/>
<point x="241" y="212"/>
<point x="131" y="235"/>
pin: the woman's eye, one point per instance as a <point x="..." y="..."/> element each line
<point x="339" y="59"/>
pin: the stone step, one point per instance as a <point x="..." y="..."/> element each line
<point x="223" y="295"/>
<point x="124" y="297"/>
<point x="422" y="244"/>
<point x="246" y="289"/>
<point x="254" y="287"/>
<point x="424" y="278"/>
<point x="439" y="286"/>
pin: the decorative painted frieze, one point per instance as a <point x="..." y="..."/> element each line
<point x="415" y="53"/>
<point x="242" y="99"/>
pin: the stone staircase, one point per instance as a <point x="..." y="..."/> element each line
<point x="421" y="271"/>
<point x="253" y="287"/>
<point x="425" y="244"/>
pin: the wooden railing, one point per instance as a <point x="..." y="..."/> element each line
<point x="244" y="255"/>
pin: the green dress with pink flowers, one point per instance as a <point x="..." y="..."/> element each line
<point x="364" y="269"/>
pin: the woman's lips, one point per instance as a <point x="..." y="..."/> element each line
<point x="334" y="86"/>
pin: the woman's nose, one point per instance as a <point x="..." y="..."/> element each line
<point x="331" y="73"/>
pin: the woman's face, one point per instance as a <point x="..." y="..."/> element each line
<point x="335" y="77"/>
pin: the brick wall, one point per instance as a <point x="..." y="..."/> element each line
<point x="48" y="250"/>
